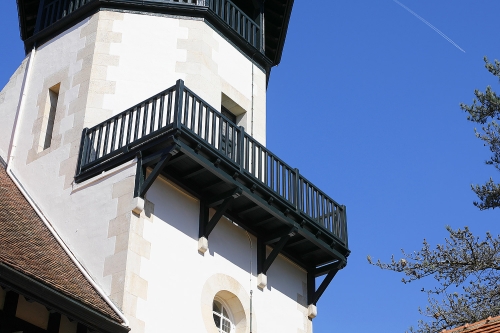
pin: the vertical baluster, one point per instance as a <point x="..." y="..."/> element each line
<point x="186" y="108"/>
<point x="60" y="9"/>
<point x="226" y="133"/>
<point x="162" y="107"/>
<point x="207" y="124"/>
<point x="113" y="136"/>
<point x="323" y="208"/>
<point x="220" y="133"/>
<point x="259" y="160"/>
<point x="214" y="128"/>
<point x="272" y="171"/>
<point x="122" y="130"/>
<point x="200" y="120"/>
<point x="266" y="166"/>
<point x="289" y="177"/>
<point x="331" y="209"/>
<point x="137" y="117"/>
<point x="64" y="11"/>
<point x="193" y="112"/>
<point x="129" y="127"/>
<point x="244" y="26"/>
<point x="106" y="139"/>
<point x="238" y="22"/>
<point x="145" y="119"/>
<point x="153" y="115"/>
<point x="223" y="10"/>
<point x="91" y="151"/>
<point x="254" y="154"/>
<point x="246" y="144"/>
<point x="98" y="147"/>
<point x="308" y="206"/>
<point x="283" y="174"/>
<point x="316" y="205"/>
<point x="47" y="22"/>
<point x="83" y="148"/>
<point x="233" y="17"/>
<point x="169" y="108"/>
<point x="298" y="189"/>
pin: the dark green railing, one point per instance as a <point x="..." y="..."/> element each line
<point x="52" y="11"/>
<point x="179" y="108"/>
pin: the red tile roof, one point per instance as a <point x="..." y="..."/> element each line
<point x="27" y="246"/>
<point x="489" y="325"/>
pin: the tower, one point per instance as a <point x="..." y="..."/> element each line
<point x="138" y="130"/>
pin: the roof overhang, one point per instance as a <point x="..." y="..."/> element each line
<point x="56" y="301"/>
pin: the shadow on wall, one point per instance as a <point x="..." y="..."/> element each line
<point x="227" y="240"/>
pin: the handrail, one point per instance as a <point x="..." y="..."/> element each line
<point x="179" y="108"/>
<point x="51" y="11"/>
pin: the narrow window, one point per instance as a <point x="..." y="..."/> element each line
<point x="49" y="116"/>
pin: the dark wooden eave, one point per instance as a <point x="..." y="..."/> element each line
<point x="56" y="301"/>
<point x="277" y="15"/>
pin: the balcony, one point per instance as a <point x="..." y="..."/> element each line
<point x="178" y="135"/>
<point x="54" y="15"/>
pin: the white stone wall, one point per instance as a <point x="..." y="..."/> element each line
<point x="156" y="51"/>
<point x="103" y="65"/>
<point x="9" y="100"/>
<point x="181" y="282"/>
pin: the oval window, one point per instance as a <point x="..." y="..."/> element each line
<point x="222" y="317"/>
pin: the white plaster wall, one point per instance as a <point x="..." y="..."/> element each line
<point x="9" y="99"/>
<point x="155" y="51"/>
<point x="80" y="215"/>
<point x="105" y="64"/>
<point x="176" y="272"/>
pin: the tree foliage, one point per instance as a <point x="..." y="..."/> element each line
<point x="466" y="269"/>
<point x="467" y="272"/>
<point x="485" y="110"/>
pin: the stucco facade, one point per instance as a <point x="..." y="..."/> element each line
<point x="147" y="263"/>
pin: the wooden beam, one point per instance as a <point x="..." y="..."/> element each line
<point x="54" y="322"/>
<point x="276" y="236"/>
<point x="218" y="199"/>
<point x="80" y="328"/>
<point x="9" y="312"/>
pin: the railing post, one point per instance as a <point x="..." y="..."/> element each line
<point x="241" y="147"/>
<point x="179" y="97"/>
<point x="262" y="28"/>
<point x="39" y="16"/>
<point x="297" y="189"/>
<point x="344" y="226"/>
<point x="83" y="151"/>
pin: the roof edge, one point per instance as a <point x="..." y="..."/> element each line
<point x="65" y="248"/>
<point x="41" y="293"/>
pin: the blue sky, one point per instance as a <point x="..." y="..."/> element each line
<point x="365" y="104"/>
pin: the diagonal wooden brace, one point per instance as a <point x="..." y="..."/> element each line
<point x="223" y="200"/>
<point x="331" y="270"/>
<point x="264" y="263"/>
<point x="143" y="184"/>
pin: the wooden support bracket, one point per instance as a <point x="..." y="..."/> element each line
<point x="264" y="263"/>
<point x="222" y="201"/>
<point x="313" y="294"/>
<point x="142" y="184"/>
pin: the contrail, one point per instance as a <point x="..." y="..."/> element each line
<point x="430" y="25"/>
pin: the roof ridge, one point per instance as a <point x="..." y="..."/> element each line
<point x="471" y="327"/>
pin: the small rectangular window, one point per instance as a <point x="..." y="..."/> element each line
<point x="49" y="116"/>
